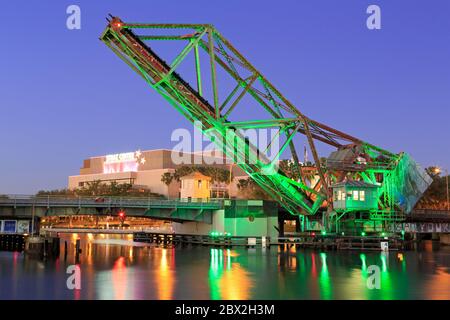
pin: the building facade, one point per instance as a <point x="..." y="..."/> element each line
<point x="144" y="169"/>
<point x="195" y="186"/>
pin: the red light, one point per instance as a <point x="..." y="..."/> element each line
<point x="313" y="234"/>
<point x="121" y="214"/>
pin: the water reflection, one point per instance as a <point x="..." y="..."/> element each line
<point x="165" y="276"/>
<point x="228" y="280"/>
<point x="113" y="267"/>
<point x="386" y="284"/>
<point x="119" y="279"/>
<point x="326" y="291"/>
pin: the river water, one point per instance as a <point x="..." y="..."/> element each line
<point x="113" y="267"/>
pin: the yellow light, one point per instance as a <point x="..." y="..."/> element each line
<point x="437" y="170"/>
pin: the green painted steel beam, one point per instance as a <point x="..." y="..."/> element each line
<point x="216" y="121"/>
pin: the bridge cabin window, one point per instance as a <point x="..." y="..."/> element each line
<point x="355" y="196"/>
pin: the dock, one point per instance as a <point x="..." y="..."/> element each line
<point x="331" y="242"/>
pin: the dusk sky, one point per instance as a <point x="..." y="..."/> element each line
<point x="64" y="96"/>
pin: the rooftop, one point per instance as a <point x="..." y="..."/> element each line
<point x="195" y="175"/>
<point x="358" y="184"/>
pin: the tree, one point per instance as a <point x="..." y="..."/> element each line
<point x="251" y="190"/>
<point x="167" y="178"/>
<point x="436" y="195"/>
<point x="98" y="188"/>
<point x="216" y="174"/>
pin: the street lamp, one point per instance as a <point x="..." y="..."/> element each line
<point x="438" y="170"/>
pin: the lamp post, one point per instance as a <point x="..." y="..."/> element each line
<point x="437" y="171"/>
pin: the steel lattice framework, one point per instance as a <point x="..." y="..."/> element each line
<point x="216" y="117"/>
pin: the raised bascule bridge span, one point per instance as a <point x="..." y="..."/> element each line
<point x="222" y="92"/>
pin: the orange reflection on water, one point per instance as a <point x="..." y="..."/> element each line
<point x="165" y="275"/>
<point x="228" y="280"/>
<point x="130" y="254"/>
<point x="235" y="283"/>
<point x="119" y="277"/>
<point x="438" y="286"/>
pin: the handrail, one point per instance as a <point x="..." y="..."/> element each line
<point x="49" y="200"/>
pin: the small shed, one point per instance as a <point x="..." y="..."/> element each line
<point x="195" y="186"/>
<point x="355" y="196"/>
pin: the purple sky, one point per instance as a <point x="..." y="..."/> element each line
<point x="64" y="96"/>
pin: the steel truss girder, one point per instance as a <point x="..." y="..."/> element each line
<point x="295" y="196"/>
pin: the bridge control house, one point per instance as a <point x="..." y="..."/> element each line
<point x="354" y="196"/>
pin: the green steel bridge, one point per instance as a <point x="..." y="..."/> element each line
<point x="18" y="207"/>
<point x="223" y="95"/>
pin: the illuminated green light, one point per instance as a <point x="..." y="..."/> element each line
<point x="363" y="234"/>
<point x="383" y="234"/>
<point x="362" y="256"/>
<point x="343" y="233"/>
<point x="403" y="232"/>
<point x="324" y="233"/>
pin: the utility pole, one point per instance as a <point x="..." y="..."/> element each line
<point x="32" y="221"/>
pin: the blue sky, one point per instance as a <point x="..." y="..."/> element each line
<point x="64" y="96"/>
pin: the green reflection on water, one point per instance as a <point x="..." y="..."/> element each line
<point x="362" y="256"/>
<point x="326" y="291"/>
<point x="386" y="284"/>
<point x="228" y="280"/>
<point x="215" y="273"/>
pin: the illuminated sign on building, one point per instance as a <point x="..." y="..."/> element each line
<point x="120" y="157"/>
<point x="123" y="162"/>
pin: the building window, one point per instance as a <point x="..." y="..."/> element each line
<point x="199" y="184"/>
<point x="355" y="195"/>
<point x="335" y="196"/>
<point x="81" y="184"/>
<point x="362" y="195"/>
